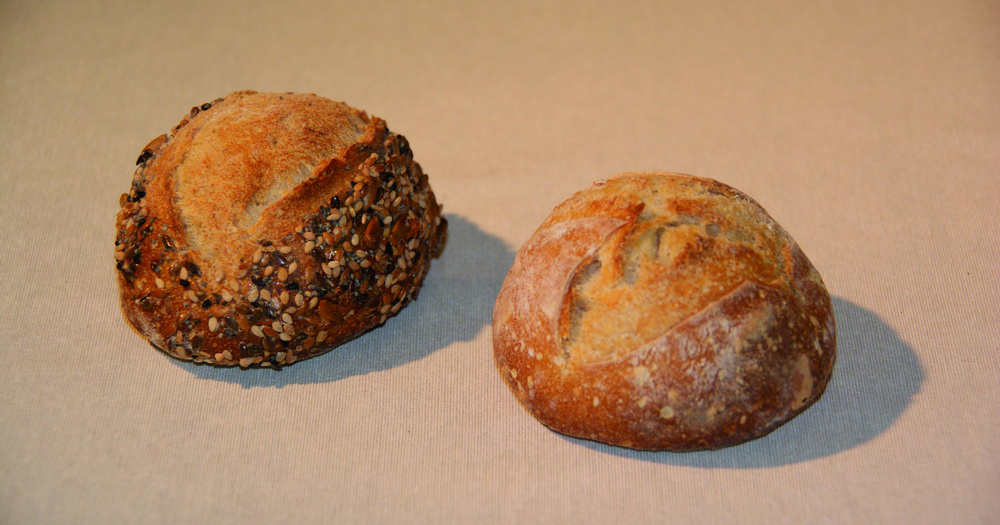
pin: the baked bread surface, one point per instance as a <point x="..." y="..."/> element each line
<point x="267" y="228"/>
<point x="663" y="311"/>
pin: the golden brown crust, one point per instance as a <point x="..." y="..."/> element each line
<point x="269" y="228"/>
<point x="665" y="312"/>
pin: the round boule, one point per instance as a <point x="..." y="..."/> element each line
<point x="661" y="311"/>
<point x="217" y="238"/>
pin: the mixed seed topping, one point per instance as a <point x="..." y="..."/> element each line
<point x="350" y="265"/>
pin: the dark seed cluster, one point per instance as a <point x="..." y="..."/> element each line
<point x="350" y="265"/>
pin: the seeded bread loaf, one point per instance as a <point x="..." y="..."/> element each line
<point x="269" y="228"/>
<point x="664" y="312"/>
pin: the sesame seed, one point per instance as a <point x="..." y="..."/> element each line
<point x="292" y="267"/>
<point x="326" y="269"/>
<point x="387" y="220"/>
<point x="219" y="357"/>
<point x="276" y="326"/>
<point x="254" y="294"/>
<point x="333" y="216"/>
<point x="313" y="301"/>
<point x="354" y="266"/>
<point x="282" y="274"/>
<point x="257" y="331"/>
<point x="365" y="263"/>
<point x="286" y="318"/>
<point x="184" y="274"/>
<point x="355" y="239"/>
<point x="119" y="256"/>
<point x="265" y="295"/>
<point x="268" y="271"/>
<point x="286" y="249"/>
<point x="284" y="337"/>
<point x="227" y="355"/>
<point x="257" y="255"/>
<point x="213" y="324"/>
<point x="289" y="329"/>
<point x="321" y="336"/>
<point x="284" y="297"/>
<point x="309" y="246"/>
<point x="219" y="276"/>
<point x="226" y="296"/>
<point x="246" y="362"/>
<point x="299" y="299"/>
<point x="160" y="283"/>
<point x="234" y="286"/>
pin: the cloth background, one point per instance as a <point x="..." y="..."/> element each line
<point x="869" y="130"/>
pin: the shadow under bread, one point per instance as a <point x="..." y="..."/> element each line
<point x="455" y="303"/>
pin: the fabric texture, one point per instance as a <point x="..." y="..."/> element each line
<point x="870" y="131"/>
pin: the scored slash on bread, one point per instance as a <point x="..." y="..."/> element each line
<point x="268" y="228"/>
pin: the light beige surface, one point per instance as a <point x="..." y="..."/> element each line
<point x="870" y="130"/>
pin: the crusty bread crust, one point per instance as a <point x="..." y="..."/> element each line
<point x="663" y="311"/>
<point x="269" y="228"/>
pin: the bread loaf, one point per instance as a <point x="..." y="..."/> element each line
<point x="268" y="228"/>
<point x="663" y="311"/>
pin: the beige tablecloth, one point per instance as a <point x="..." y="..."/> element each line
<point x="870" y="130"/>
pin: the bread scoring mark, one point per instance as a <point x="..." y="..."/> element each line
<point x="674" y="238"/>
<point x="578" y="305"/>
<point x="533" y="293"/>
<point x="273" y="146"/>
<point x="280" y="185"/>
